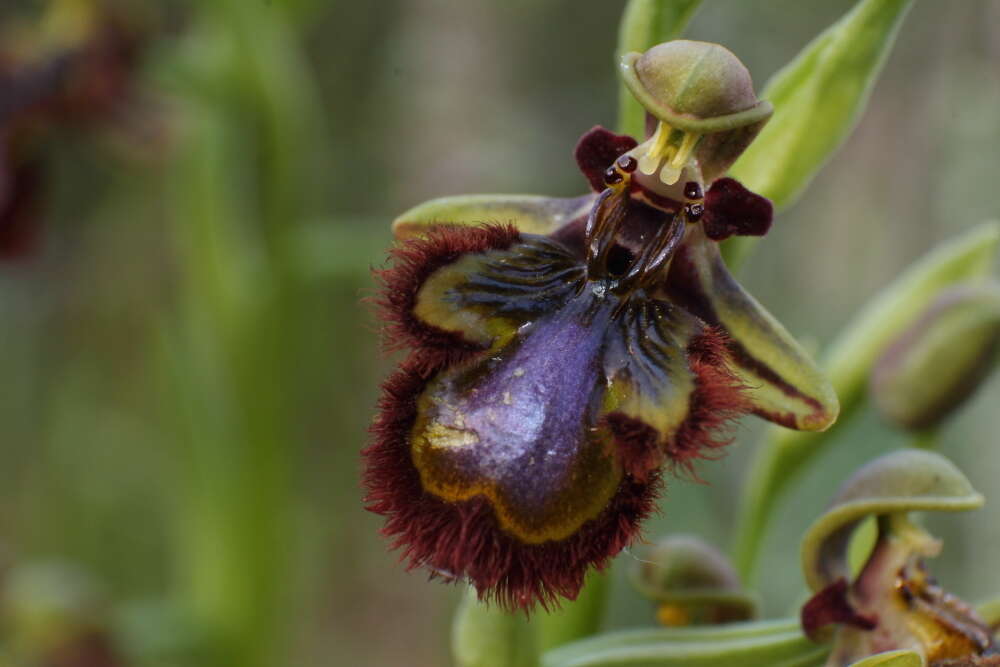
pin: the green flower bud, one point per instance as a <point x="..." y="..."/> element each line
<point x="704" y="100"/>
<point x="940" y="360"/>
<point x="693" y="583"/>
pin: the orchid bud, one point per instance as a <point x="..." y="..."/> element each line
<point x="703" y="99"/>
<point x="693" y="583"/>
<point x="936" y="364"/>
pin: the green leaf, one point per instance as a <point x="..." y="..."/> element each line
<point x="663" y="649"/>
<point x="818" y="99"/>
<point x="487" y="636"/>
<point x="690" y="634"/>
<point x="646" y="23"/>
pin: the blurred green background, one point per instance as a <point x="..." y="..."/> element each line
<point x="189" y="370"/>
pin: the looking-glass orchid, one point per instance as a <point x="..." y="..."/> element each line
<point x="563" y="351"/>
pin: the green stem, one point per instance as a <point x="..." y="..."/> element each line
<point x="229" y="357"/>
<point x="926" y="439"/>
<point x="777" y="462"/>
<point x="222" y="356"/>
<point x="577" y="618"/>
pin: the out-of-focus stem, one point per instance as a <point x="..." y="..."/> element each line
<point x="232" y="356"/>
<point x="577" y="618"/>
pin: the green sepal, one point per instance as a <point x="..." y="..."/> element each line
<point x="783" y="383"/>
<point x="818" y="98"/>
<point x="486" y="636"/>
<point x="644" y="24"/>
<point x="892" y="659"/>
<point x="766" y="643"/>
<point x="530" y="214"/>
<point x="904" y="481"/>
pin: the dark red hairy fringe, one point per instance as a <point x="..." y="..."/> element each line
<point x="718" y="398"/>
<point x="412" y="262"/>
<point x="463" y="539"/>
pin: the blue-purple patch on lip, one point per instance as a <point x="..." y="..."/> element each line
<point x="520" y="429"/>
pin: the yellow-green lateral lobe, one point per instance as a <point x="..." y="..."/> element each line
<point x="783" y="383"/>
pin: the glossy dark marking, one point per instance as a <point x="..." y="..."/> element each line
<point x="693" y="212"/>
<point x="627" y="163"/>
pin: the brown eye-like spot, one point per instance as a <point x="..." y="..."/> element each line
<point x="628" y="164"/>
<point x="612" y="176"/>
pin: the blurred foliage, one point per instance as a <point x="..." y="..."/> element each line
<point x="189" y="373"/>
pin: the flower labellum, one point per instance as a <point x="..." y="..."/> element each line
<point x="559" y="358"/>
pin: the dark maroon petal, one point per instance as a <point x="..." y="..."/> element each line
<point x="732" y="210"/>
<point x="831" y="606"/>
<point x="597" y="150"/>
